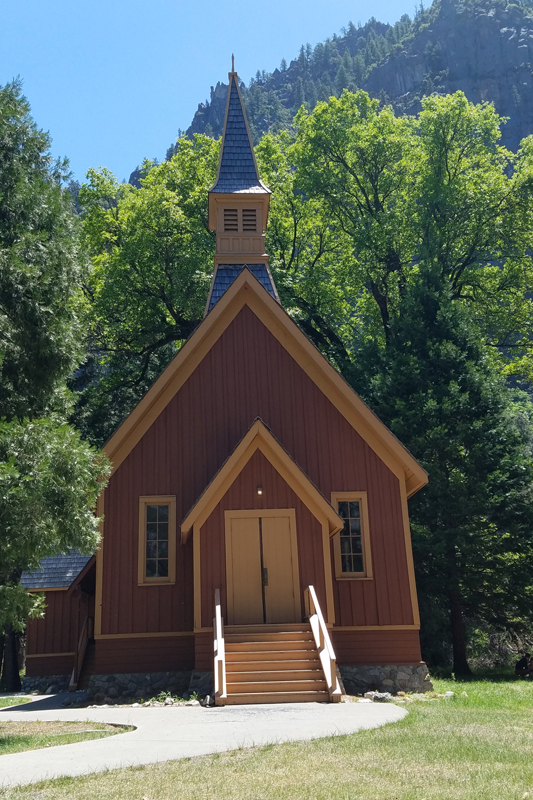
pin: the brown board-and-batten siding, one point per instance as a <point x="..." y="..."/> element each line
<point x="247" y="374"/>
<point x="52" y="640"/>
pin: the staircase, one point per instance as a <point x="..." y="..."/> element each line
<point x="289" y="663"/>
<point x="273" y="664"/>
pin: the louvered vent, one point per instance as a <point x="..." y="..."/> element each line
<point x="249" y="219"/>
<point x="231" y="220"/>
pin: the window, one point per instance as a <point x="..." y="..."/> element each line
<point x="351" y="546"/>
<point x="157" y="540"/>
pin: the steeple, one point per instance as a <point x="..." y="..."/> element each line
<point x="238" y="203"/>
<point x="237" y="168"/>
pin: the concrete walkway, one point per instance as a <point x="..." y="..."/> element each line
<point x="165" y="734"/>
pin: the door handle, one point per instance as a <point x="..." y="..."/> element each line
<point x="265" y="576"/>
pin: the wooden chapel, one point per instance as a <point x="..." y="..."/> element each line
<point x="256" y="523"/>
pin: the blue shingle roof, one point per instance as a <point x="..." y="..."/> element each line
<point x="55" y="571"/>
<point x="238" y="172"/>
<point x="226" y="273"/>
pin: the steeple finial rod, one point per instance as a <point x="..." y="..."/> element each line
<point x="232" y="63"/>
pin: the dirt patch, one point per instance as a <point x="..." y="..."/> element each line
<point x="53" y="728"/>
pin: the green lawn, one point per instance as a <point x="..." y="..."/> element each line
<point x="13" y="701"/>
<point x="18" y="736"/>
<point x="469" y="748"/>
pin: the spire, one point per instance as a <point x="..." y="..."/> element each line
<point x="237" y="168"/>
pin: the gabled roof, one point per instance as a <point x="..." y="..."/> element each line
<point x="237" y="168"/>
<point x="56" y="572"/>
<point x="247" y="291"/>
<point x="260" y="438"/>
<point x="225" y="274"/>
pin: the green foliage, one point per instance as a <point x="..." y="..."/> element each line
<point x="311" y="259"/>
<point x="49" y="477"/>
<point x="41" y="266"/>
<point x="49" y="482"/>
<point x="436" y="387"/>
<point x="437" y="190"/>
<point x="152" y="254"/>
<point x="441" y="228"/>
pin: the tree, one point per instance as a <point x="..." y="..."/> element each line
<point x="442" y="395"/>
<point x="436" y="189"/>
<point x="152" y="255"/>
<point x="49" y="477"/>
<point x="440" y="220"/>
<point x="311" y="259"/>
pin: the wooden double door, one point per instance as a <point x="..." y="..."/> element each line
<point x="262" y="567"/>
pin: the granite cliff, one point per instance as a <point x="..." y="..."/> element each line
<point x="485" y="50"/>
<point x="482" y="47"/>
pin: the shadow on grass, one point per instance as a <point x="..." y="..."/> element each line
<point x="495" y="675"/>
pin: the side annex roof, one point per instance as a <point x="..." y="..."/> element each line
<point x="246" y="290"/>
<point x="56" y="572"/>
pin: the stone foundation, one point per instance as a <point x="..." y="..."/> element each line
<point x="150" y="684"/>
<point x="388" y="678"/>
<point x="45" y="683"/>
<point x="357" y="680"/>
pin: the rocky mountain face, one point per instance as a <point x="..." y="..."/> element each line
<point x="484" y="50"/>
<point x="482" y="47"/>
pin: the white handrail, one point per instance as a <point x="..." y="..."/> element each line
<point x="220" y="653"/>
<point x="323" y="643"/>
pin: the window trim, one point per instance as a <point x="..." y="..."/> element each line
<point x="157" y="500"/>
<point x="367" y="575"/>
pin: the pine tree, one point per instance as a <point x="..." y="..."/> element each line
<point x="49" y="477"/>
<point x="436" y="386"/>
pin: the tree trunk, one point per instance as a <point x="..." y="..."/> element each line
<point x="460" y="663"/>
<point x="10" y="681"/>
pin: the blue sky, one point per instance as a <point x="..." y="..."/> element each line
<point x="114" y="81"/>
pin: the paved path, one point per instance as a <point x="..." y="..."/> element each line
<point x="164" y="734"/>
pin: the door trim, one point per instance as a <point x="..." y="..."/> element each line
<point x="257" y="513"/>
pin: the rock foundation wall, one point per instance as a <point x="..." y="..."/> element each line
<point x="357" y="680"/>
<point x="149" y="684"/>
<point x="45" y="683"/>
<point x="388" y="678"/>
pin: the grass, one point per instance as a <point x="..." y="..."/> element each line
<point x="466" y="748"/>
<point x="5" y="702"/>
<point x="18" y="736"/>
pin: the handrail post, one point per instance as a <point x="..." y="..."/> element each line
<point x="323" y="643"/>
<point x="81" y="649"/>
<point x="220" y="652"/>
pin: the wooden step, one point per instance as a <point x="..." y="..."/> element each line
<point x="272" y="686"/>
<point x="268" y="628"/>
<point x="270" y="655"/>
<point x="241" y="698"/>
<point x="272" y="666"/>
<point x="279" y="675"/>
<point x="273" y="646"/>
<point x="284" y="636"/>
